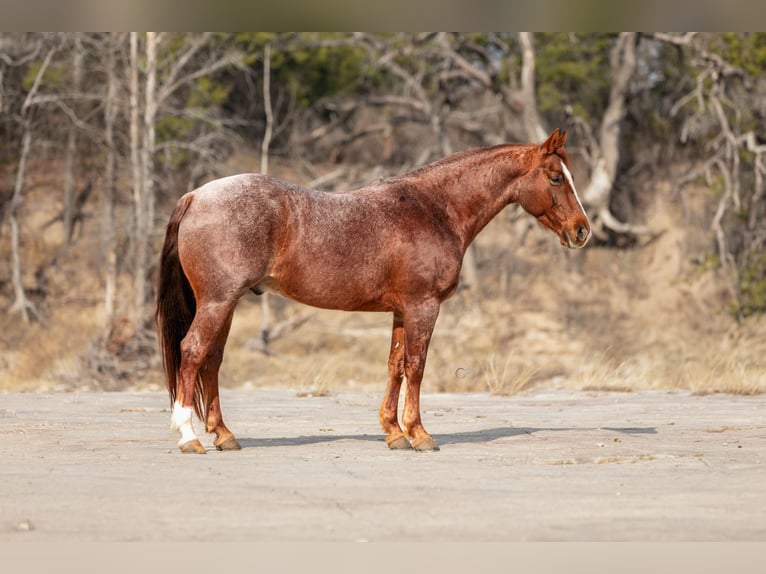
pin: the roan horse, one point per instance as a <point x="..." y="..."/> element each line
<point x="396" y="245"/>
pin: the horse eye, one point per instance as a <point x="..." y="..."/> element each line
<point x="556" y="179"/>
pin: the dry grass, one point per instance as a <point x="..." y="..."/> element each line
<point x="510" y="379"/>
<point x="46" y="355"/>
<point x="602" y="372"/>
<point x="723" y="371"/>
<point x="318" y="377"/>
<point x="679" y="358"/>
<point x="348" y="350"/>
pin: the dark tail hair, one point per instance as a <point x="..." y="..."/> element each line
<point x="176" y="307"/>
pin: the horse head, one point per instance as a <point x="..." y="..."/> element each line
<point x="550" y="194"/>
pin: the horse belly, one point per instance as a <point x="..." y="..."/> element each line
<point x="328" y="286"/>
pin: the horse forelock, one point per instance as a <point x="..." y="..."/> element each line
<point x="562" y="154"/>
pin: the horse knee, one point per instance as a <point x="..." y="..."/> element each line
<point x="396" y="367"/>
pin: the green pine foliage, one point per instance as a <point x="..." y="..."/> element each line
<point x="573" y="70"/>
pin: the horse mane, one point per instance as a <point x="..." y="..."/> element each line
<point x="457" y="158"/>
<point x="453" y="159"/>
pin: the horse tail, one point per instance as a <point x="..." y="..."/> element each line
<point x="176" y="307"/>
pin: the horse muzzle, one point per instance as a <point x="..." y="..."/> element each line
<point x="577" y="238"/>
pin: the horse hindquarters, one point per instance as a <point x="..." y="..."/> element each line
<point x="192" y="335"/>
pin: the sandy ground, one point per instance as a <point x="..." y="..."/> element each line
<point x="559" y="465"/>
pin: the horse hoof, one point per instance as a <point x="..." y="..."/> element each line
<point x="425" y="444"/>
<point x="228" y="444"/>
<point x="399" y="443"/>
<point x="192" y="447"/>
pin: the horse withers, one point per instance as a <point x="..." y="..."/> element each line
<point x="395" y="246"/>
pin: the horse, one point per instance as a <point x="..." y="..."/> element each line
<point x="394" y="246"/>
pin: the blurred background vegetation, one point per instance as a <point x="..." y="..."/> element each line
<point x="102" y="132"/>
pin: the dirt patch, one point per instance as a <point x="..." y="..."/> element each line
<point x="559" y="465"/>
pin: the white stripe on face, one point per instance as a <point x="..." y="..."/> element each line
<point x="568" y="175"/>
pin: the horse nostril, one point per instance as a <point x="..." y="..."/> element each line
<point x="582" y="233"/>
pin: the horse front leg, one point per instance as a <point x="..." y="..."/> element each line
<point x="418" y="327"/>
<point x="389" y="408"/>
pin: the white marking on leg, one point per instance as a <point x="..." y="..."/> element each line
<point x="181" y="419"/>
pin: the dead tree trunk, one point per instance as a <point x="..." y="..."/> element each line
<point x="606" y="157"/>
<point x="21" y="303"/>
<point x="150" y="117"/>
<point x="110" y="239"/>
<point x="138" y="231"/>
<point x="533" y="124"/>
<point x="147" y="187"/>
<point x="265" y="144"/>
<point x="68" y="216"/>
<point x="142" y="158"/>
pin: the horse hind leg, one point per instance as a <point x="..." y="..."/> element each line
<point x="201" y="357"/>
<point x="225" y="439"/>
<point x="181" y="420"/>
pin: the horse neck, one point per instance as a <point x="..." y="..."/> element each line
<point x="473" y="187"/>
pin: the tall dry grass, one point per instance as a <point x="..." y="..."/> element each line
<point x="46" y="356"/>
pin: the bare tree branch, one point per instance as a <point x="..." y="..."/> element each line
<point x="21" y="303"/>
<point x="533" y="124"/>
<point x="266" y="108"/>
<point x="171" y="82"/>
<point x="38" y="78"/>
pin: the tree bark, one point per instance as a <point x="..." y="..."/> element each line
<point x="150" y="118"/>
<point x="597" y="194"/>
<point x="265" y="144"/>
<point x="142" y="157"/>
<point x="139" y="213"/>
<point x="21" y="303"/>
<point x="110" y="239"/>
<point x="533" y="125"/>
<point x="71" y="147"/>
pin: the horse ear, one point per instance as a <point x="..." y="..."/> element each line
<point x="555" y="141"/>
